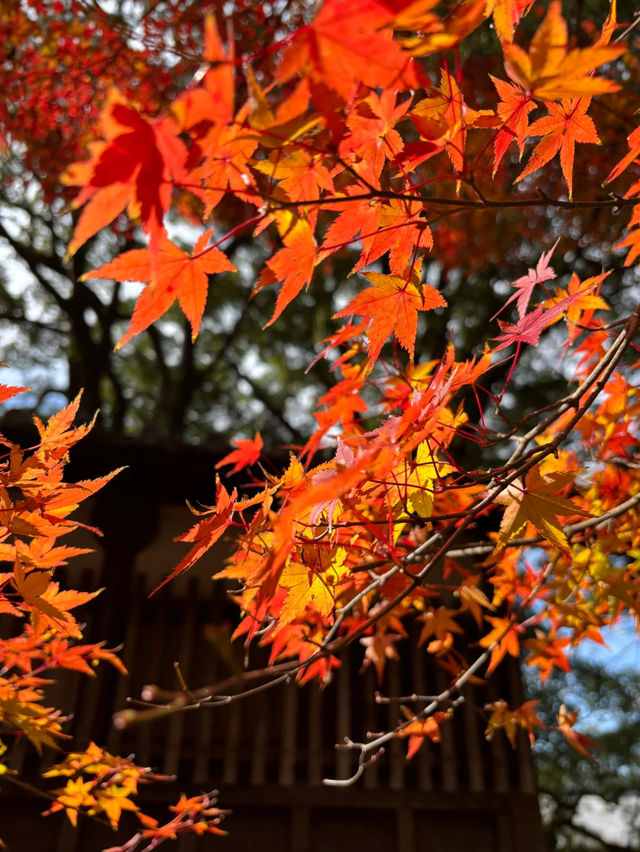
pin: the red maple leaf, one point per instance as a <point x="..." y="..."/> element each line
<point x="137" y="165"/>
<point x="247" y="453"/>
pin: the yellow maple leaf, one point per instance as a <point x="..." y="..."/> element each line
<point x="538" y="502"/>
<point x="311" y="587"/>
<point x="422" y="479"/>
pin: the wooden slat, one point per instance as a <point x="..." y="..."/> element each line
<point x="300" y="838"/>
<point x="260" y="726"/>
<point x="448" y="757"/>
<point x="232" y="743"/>
<point x="68" y="838"/>
<point x="473" y="752"/>
<point x="344" y="757"/>
<point x="397" y="748"/>
<point x="152" y="667"/>
<point x="208" y="670"/>
<point x="371" y="775"/>
<point x="175" y="738"/>
<point x="405" y="830"/>
<point x="500" y="758"/>
<point x="424" y="758"/>
<point x="129" y="652"/>
<point x="314" y="737"/>
<point x="288" y="735"/>
<point x="526" y="772"/>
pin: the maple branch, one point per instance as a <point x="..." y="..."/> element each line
<point x="539" y="200"/>
<point x="445" y="697"/>
<point x="480" y="549"/>
<point x="597" y="380"/>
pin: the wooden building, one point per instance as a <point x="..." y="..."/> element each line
<point x="266" y="754"/>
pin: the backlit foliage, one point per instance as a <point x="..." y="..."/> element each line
<point x="368" y="138"/>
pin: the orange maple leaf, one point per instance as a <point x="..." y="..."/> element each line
<point x="349" y="43"/>
<point x="178" y="275"/>
<point x="247" y="453"/>
<point x="504" y="638"/>
<point x="206" y="532"/>
<point x="293" y="265"/>
<point x="434" y="33"/>
<point x="550" y="70"/>
<point x="6" y="392"/>
<point x="514" y="108"/>
<point x="393" y="304"/>
<point x="546" y="652"/>
<point x="566" y="124"/>
<point x="511" y="720"/>
<point x="420" y="729"/>
<point x="581" y="743"/>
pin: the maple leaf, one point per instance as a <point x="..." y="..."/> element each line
<point x="293" y="265"/>
<point x="112" y="800"/>
<point x="205" y="533"/>
<point x="507" y="15"/>
<point x="7" y="392"/>
<point x="393" y="304"/>
<point x="19" y="709"/>
<point x="137" y="165"/>
<point x="32" y="587"/>
<point x="580" y="312"/>
<point x="472" y="597"/>
<point x="402" y="232"/>
<point x="581" y="743"/>
<point x="420" y="729"/>
<point x="372" y="136"/>
<point x="247" y="453"/>
<point x="504" y="638"/>
<point x="301" y="175"/>
<point x="346" y="45"/>
<point x="633" y="141"/>
<point x="178" y="275"/>
<point x="529" y="327"/>
<point x="435" y="33"/>
<point x="547" y="652"/>
<point x="423" y="479"/>
<point x="550" y="70"/>
<point x="440" y="623"/>
<point x="510" y="721"/>
<point x="524" y="286"/>
<point x="75" y="795"/>
<point x="312" y="586"/>
<point x="514" y="108"/>
<point x="52" y="605"/>
<point x="632" y="239"/>
<point x="75" y="657"/>
<point x="566" y="124"/>
<point x="444" y="117"/>
<point x="360" y="216"/>
<point x="378" y="649"/>
<point x="57" y="435"/>
<point x="539" y="503"/>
